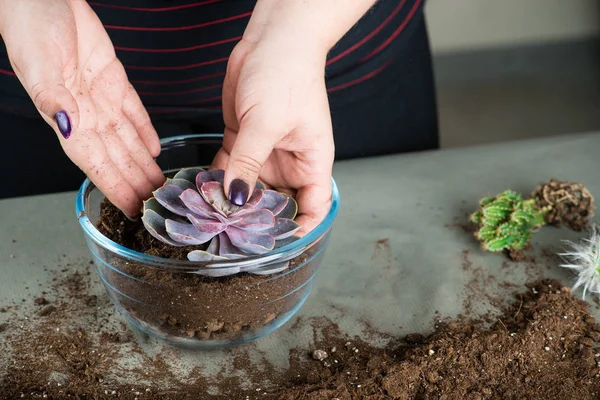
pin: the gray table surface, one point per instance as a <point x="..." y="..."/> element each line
<point x="392" y="261"/>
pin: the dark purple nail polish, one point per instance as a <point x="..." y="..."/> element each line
<point x="238" y="192"/>
<point x="64" y="123"/>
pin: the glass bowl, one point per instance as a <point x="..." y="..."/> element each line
<point x="183" y="302"/>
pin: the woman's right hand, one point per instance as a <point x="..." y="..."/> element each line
<point x="64" y="58"/>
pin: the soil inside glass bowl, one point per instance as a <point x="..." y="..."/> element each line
<point x="191" y="305"/>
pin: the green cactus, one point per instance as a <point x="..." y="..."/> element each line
<point x="506" y="221"/>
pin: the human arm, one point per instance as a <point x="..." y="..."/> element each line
<point x="65" y="60"/>
<point x="275" y="104"/>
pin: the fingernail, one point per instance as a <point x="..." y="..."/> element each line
<point x="64" y="123"/>
<point x="238" y="192"/>
<point x="132" y="219"/>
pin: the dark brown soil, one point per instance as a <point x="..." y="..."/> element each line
<point x="114" y="225"/>
<point x="542" y="346"/>
<point x="571" y="203"/>
<point x="179" y="304"/>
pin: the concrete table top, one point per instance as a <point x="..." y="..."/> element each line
<point x="395" y="258"/>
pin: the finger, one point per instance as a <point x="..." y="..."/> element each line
<point x="89" y="153"/>
<point x="140" y="154"/>
<point x="45" y="84"/>
<point x="314" y="202"/>
<point x="134" y="110"/>
<point x="122" y="159"/>
<point x="228" y="95"/>
<point x="253" y="146"/>
<point x="43" y="57"/>
<point x="220" y="160"/>
<point x="113" y="185"/>
<point x="232" y="75"/>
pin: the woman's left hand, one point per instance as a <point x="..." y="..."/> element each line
<point x="278" y="126"/>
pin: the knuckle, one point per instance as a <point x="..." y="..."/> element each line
<point x="248" y="164"/>
<point x="41" y="95"/>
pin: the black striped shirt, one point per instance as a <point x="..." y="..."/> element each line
<point x="175" y="52"/>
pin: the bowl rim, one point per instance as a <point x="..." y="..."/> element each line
<point x="287" y="251"/>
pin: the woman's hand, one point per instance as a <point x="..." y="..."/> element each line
<point x="278" y="127"/>
<point x="275" y="106"/>
<point x="65" y="60"/>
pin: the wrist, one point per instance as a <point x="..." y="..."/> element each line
<point x="309" y="26"/>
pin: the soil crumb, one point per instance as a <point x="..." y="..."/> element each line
<point x="541" y="346"/>
<point x="132" y="234"/>
<point x="571" y="203"/>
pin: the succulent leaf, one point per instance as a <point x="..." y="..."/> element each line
<point x="283" y="228"/>
<point x="189" y="174"/>
<point x="193" y="209"/>
<point x="196" y="203"/>
<point x="290" y="210"/>
<point x="182" y="183"/>
<point x="207" y="226"/>
<point x="273" y="201"/>
<point x="253" y="243"/>
<point x="227" y="249"/>
<point x="254" y="200"/>
<point x="271" y="269"/>
<point x="256" y="221"/>
<point x="204" y="256"/>
<point x="260" y="185"/>
<point x="214" y="195"/>
<point x="186" y="233"/>
<point x="168" y="197"/>
<point x="155" y="225"/>
<point x="210" y="176"/>
<point x="213" y="247"/>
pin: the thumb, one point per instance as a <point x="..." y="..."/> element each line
<point x="41" y="67"/>
<point x="251" y="149"/>
<point x="45" y="83"/>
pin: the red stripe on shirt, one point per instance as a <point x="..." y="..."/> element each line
<point x="202" y="101"/>
<point x="179" y="50"/>
<point x="177" y="111"/>
<point x="332" y="89"/>
<point x="176" y="68"/>
<point x="389" y="40"/>
<point x="202" y="89"/>
<point x="177" y="28"/>
<point x="359" y="80"/>
<point x="6" y="72"/>
<point x="141" y="82"/>
<point x="172" y="8"/>
<point x="369" y="36"/>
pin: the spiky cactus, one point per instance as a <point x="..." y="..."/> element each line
<point x="584" y="260"/>
<point x="506" y="221"/>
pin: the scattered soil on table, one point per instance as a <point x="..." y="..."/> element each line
<point x="186" y="305"/>
<point x="541" y="346"/>
<point x="571" y="203"/>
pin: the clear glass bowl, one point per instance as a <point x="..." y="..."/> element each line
<point x="174" y="300"/>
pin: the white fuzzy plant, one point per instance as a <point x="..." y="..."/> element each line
<point x="584" y="259"/>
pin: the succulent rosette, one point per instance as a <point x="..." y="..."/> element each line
<point x="192" y="209"/>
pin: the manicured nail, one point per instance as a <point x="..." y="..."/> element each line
<point x="64" y="123"/>
<point x="238" y="192"/>
<point x="132" y="219"/>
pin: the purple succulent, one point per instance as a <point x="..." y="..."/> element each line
<point x="192" y="209"/>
